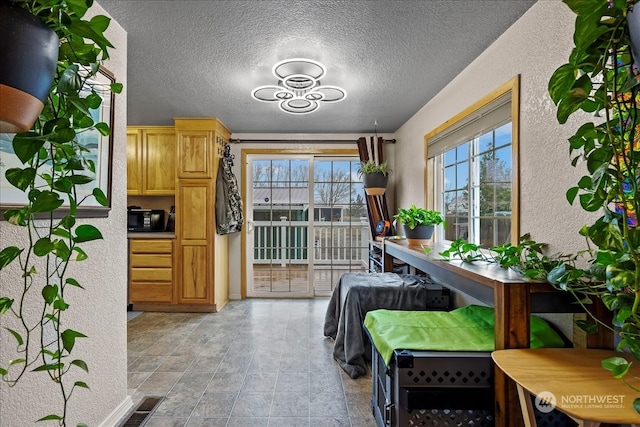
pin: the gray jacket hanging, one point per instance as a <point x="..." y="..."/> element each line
<point x="228" y="200"/>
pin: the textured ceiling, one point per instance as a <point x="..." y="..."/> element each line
<point x="203" y="58"/>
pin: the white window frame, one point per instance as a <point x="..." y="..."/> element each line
<point x="490" y="112"/>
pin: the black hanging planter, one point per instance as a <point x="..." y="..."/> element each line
<point x="375" y="184"/>
<point x="28" y="54"/>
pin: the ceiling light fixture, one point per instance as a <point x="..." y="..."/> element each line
<point x="299" y="90"/>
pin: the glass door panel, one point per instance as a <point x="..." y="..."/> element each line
<point x="303" y="233"/>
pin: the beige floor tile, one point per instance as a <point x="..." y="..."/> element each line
<point x="257" y="363"/>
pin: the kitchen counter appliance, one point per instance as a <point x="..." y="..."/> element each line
<point x="145" y="219"/>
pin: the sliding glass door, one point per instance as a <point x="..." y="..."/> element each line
<point x="306" y="224"/>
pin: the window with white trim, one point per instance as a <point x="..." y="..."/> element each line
<point x="472" y="175"/>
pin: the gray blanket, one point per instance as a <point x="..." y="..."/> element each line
<point x="356" y="294"/>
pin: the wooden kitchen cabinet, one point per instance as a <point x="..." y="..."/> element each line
<point x="151" y="161"/>
<point x="201" y="255"/>
<point x="151" y="272"/>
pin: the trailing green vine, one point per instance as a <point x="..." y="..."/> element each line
<point x="527" y="257"/>
<point x="55" y="169"/>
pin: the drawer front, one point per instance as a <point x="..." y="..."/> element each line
<point x="139" y="274"/>
<point x="151" y="292"/>
<point x="151" y="246"/>
<point x="151" y="260"/>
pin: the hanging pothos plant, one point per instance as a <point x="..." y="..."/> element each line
<point x="601" y="78"/>
<point x="54" y="166"/>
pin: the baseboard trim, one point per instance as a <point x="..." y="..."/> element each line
<point x="176" y="308"/>
<point x="117" y="414"/>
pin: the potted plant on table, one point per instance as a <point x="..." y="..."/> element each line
<point x="375" y="177"/>
<point x="36" y="277"/>
<point x="418" y="223"/>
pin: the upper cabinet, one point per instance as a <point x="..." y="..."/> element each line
<point x="151" y="161"/>
<point x="194" y="153"/>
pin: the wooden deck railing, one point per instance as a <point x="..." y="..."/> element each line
<point x="296" y="242"/>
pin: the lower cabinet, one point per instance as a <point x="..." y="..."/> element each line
<point x="151" y="271"/>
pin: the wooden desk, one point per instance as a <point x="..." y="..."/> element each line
<point x="512" y="297"/>
<point x="581" y="387"/>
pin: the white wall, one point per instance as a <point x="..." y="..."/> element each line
<point x="533" y="47"/>
<point x="99" y="311"/>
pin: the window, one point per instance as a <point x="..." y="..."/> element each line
<point x="477" y="188"/>
<point x="471" y="171"/>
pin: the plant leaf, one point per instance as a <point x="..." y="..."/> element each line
<point x="82" y="255"/>
<point x="43" y="246"/>
<point x="103" y="128"/>
<point x="100" y="197"/>
<point x="5" y="304"/>
<point x="87" y="233"/>
<point x="617" y="365"/>
<point x="588" y="327"/>
<point x="8" y="254"/>
<point x="561" y="82"/>
<point x="73" y="282"/>
<point x="69" y="338"/>
<point x="16" y="335"/>
<point x="49" y="293"/>
<point x="20" y="178"/>
<point x="25" y="146"/>
<point x="81" y="364"/>
<point x="50" y="418"/>
<point x="46" y="201"/>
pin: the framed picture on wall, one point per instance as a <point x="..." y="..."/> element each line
<point x="99" y="149"/>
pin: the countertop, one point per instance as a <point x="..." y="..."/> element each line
<point x="151" y="235"/>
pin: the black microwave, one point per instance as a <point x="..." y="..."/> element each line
<point x="145" y="220"/>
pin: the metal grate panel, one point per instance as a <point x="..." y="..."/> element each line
<point x="139" y="416"/>
<point x="459" y="377"/>
<point x="446" y="418"/>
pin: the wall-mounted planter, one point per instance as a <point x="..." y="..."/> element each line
<point x="29" y="54"/>
<point x="375" y="184"/>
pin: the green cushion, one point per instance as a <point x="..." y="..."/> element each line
<point x="468" y="328"/>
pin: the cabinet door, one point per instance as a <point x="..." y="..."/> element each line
<point x="196" y="286"/>
<point x="194" y="229"/>
<point x="134" y="162"/>
<point x="159" y="150"/>
<point x="195" y="154"/>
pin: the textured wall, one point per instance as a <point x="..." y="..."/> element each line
<point x="533" y="47"/>
<point x="99" y="311"/>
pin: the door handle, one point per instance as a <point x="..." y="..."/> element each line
<point x="250" y="226"/>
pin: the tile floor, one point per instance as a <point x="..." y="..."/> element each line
<point x="255" y="363"/>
